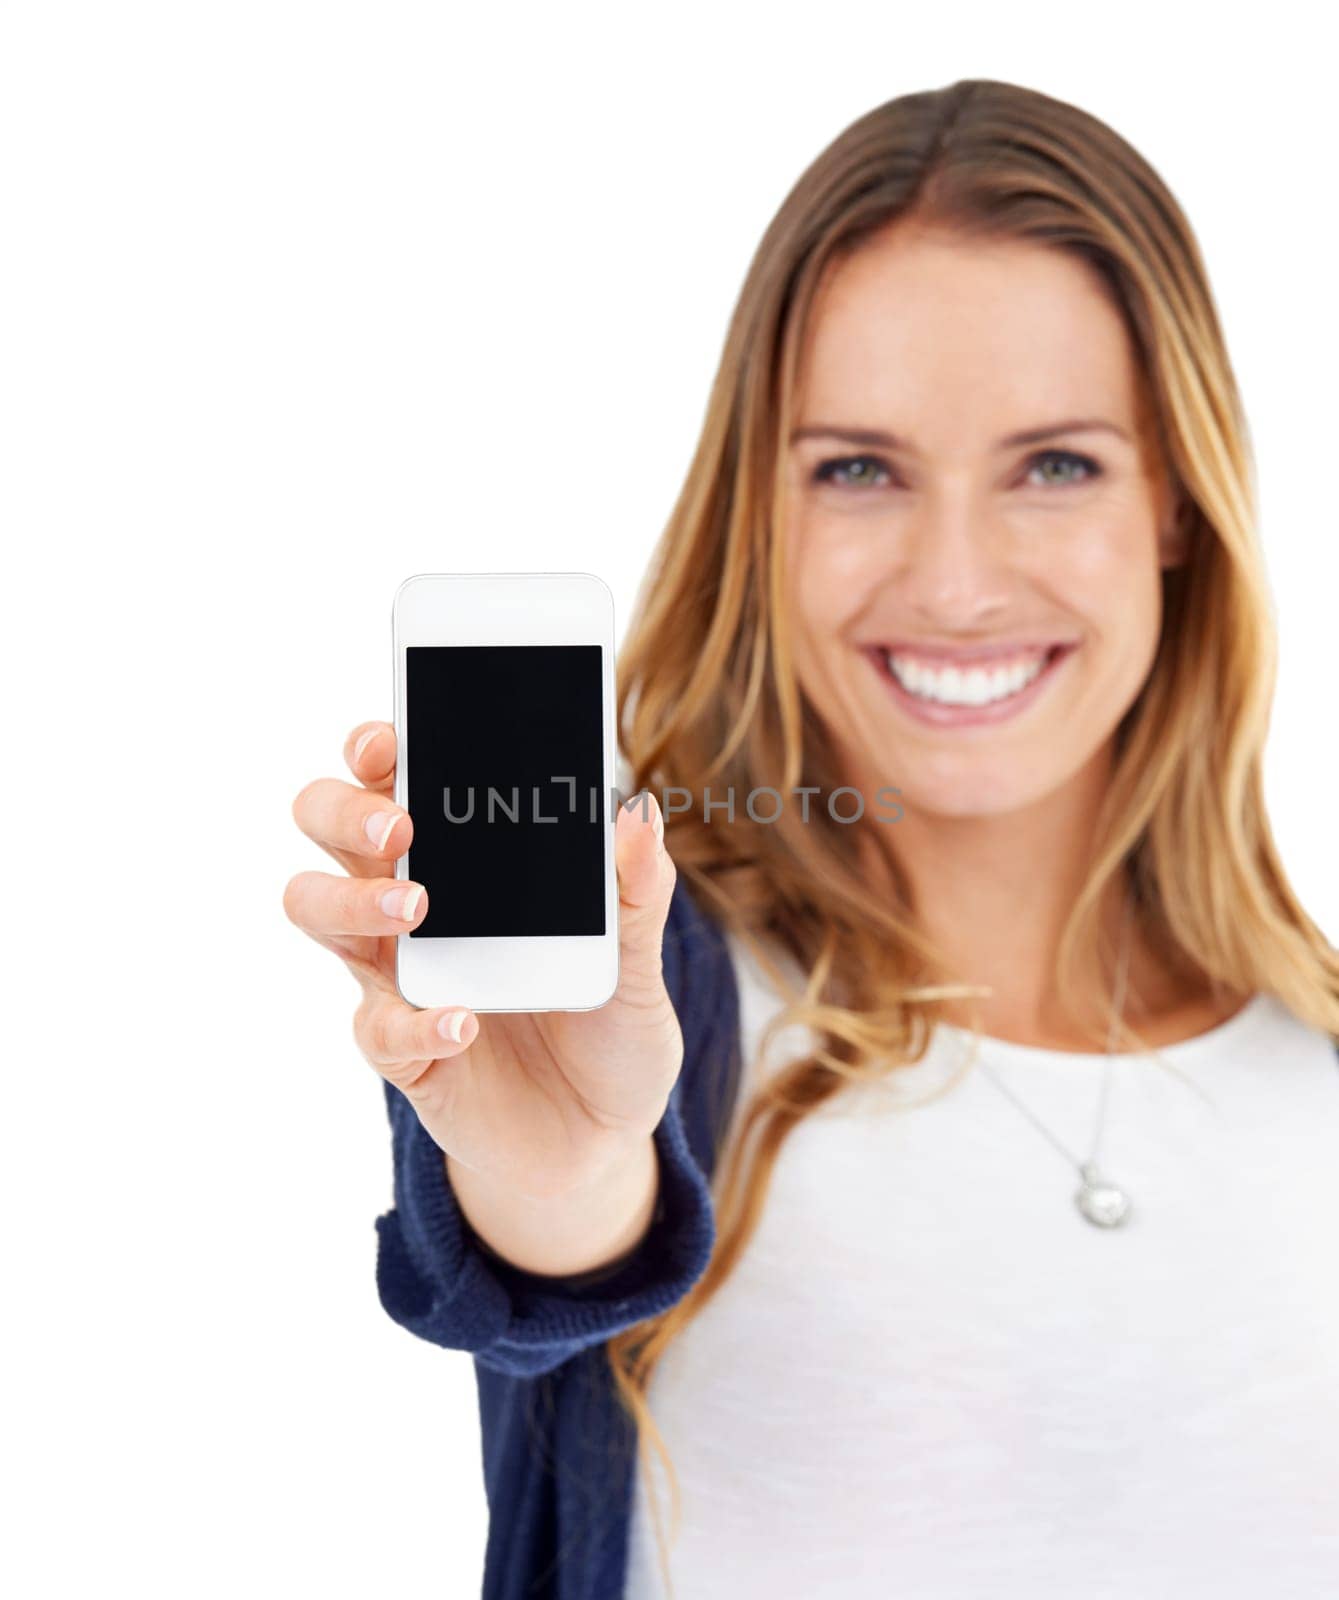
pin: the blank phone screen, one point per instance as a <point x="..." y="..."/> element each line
<point x="506" y="788"/>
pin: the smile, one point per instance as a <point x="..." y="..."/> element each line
<point x="961" y="694"/>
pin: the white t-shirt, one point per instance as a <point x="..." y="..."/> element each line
<point x="929" y="1376"/>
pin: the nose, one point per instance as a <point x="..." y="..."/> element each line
<point x="952" y="568"/>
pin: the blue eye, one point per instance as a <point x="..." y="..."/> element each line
<point x="1070" y="458"/>
<point x="827" y="471"/>
<point x="863" y="472"/>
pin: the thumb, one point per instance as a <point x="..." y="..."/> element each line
<point x="645" y="887"/>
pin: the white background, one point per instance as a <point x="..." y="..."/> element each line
<point x="299" y="300"/>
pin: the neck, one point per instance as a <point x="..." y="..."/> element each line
<point x="993" y="893"/>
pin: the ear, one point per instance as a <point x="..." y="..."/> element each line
<point x="1174" y="531"/>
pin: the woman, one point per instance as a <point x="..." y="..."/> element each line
<point x="945" y="1198"/>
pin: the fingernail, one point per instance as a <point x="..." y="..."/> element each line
<point x="402" y="903"/>
<point x="451" y="1025"/>
<point x="378" y="827"/>
<point x="657" y="821"/>
<point x="364" y="740"/>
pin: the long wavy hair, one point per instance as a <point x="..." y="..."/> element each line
<point x="708" y="696"/>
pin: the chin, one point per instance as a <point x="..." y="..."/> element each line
<point x="975" y="795"/>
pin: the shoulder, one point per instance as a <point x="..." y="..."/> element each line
<point x="700" y="978"/>
<point x="694" y="941"/>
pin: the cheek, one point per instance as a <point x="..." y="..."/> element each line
<point x="830" y="575"/>
<point x="1110" y="575"/>
<point x="828" y="583"/>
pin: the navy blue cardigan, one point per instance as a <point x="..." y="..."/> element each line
<point x="558" y="1448"/>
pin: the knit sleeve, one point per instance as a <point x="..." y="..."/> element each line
<point x="436" y="1278"/>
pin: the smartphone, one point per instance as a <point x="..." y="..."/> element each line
<point x="504" y="721"/>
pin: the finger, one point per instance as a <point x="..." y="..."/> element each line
<point x="646" y="876"/>
<point x="370" y="753"/>
<point x="391" y="1033"/>
<point x="359" y="823"/>
<point x="327" y="905"/>
<point x="639" y="833"/>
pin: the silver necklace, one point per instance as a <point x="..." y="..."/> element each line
<point x="1104" y="1203"/>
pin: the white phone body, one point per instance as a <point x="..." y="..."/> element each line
<point x="512" y="675"/>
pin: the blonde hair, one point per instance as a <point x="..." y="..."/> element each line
<point x="708" y="695"/>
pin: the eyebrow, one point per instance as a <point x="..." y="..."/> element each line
<point x="890" y="441"/>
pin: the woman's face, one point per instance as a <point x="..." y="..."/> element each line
<point x="974" y="609"/>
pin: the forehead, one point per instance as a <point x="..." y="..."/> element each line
<point x="924" y="328"/>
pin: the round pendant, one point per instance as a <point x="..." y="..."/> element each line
<point x="1102" y="1202"/>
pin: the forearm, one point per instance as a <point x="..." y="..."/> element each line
<point x="582" y="1231"/>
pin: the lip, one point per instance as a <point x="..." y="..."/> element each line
<point x="995" y="650"/>
<point x="942" y="716"/>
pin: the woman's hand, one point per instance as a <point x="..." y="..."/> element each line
<point x="541" y="1102"/>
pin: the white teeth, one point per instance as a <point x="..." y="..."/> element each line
<point x="954" y="686"/>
